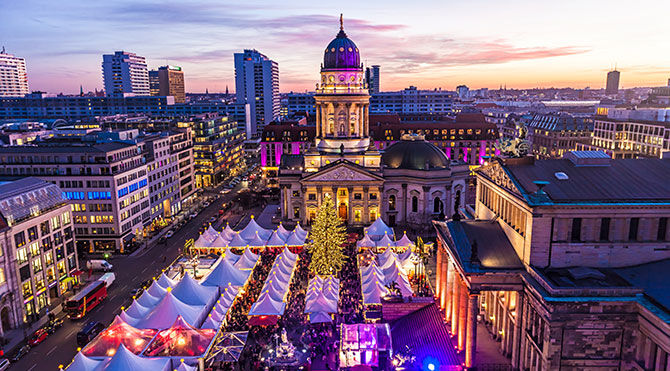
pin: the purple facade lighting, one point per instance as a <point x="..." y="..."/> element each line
<point x="295" y="148"/>
<point x="264" y="155"/>
<point x="278" y="153"/>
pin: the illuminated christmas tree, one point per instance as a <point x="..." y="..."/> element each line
<point x="327" y="234"/>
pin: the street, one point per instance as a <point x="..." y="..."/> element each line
<point x="60" y="347"/>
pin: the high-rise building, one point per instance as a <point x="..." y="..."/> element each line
<point x="154" y="83"/>
<point x="257" y="84"/>
<point x="372" y="79"/>
<point x="612" y="82"/>
<point x="171" y="82"/>
<point x="125" y="72"/>
<point x="13" y="77"/>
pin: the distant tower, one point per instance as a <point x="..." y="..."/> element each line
<point x="13" y="76"/>
<point x="124" y="72"/>
<point x="226" y="89"/>
<point x="257" y="84"/>
<point x="612" y="86"/>
<point x="372" y="78"/>
<point x="81" y="90"/>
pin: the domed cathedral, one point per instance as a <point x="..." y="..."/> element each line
<point x="411" y="183"/>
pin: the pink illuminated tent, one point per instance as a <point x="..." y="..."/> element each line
<point x="119" y="332"/>
<point x="180" y="340"/>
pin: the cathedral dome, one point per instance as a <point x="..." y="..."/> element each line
<point x="412" y="152"/>
<point x="341" y="53"/>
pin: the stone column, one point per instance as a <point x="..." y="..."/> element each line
<point x="426" y="202"/>
<point x="454" y="305"/>
<point x="471" y="336"/>
<point x="318" y="120"/>
<point x="438" y="276"/>
<point x="462" y="315"/>
<point x="516" y="337"/>
<point x="366" y="122"/>
<point x="350" y="216"/>
<point x="449" y="289"/>
<point x="404" y="203"/>
<point x="366" y="209"/>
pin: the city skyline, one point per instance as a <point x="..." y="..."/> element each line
<point x="430" y="45"/>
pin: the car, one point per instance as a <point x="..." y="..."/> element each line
<point x="136" y="292"/>
<point x="205" y="204"/>
<point x="54" y="325"/>
<point x="163" y="239"/>
<point x="192" y="215"/>
<point x="212" y="219"/>
<point x="21" y="352"/>
<point x="4" y="364"/>
<point x="169" y="234"/>
<point x="39" y="336"/>
<point x="88" y="332"/>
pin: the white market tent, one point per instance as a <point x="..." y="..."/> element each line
<point x="224" y="273"/>
<point x="136" y="310"/>
<point x="404" y="241"/>
<point x="164" y="281"/>
<point x="189" y="291"/>
<point x="147" y="300"/>
<point x="276" y="239"/>
<point x="125" y="360"/>
<point x="83" y="363"/>
<point x="252" y="228"/>
<point x="320" y="317"/>
<point x="266" y="306"/>
<point x="251" y="235"/>
<point x="386" y="242"/>
<point x="282" y="232"/>
<point x="366" y="242"/>
<point x="156" y="290"/>
<point x="374" y="294"/>
<point x="378" y="229"/>
<point x="167" y="311"/>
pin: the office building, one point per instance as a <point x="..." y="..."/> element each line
<point x="13" y="76"/>
<point x="297" y="104"/>
<point x="257" y="84"/>
<point x="372" y="79"/>
<point x="171" y="83"/>
<point x="105" y="182"/>
<point x="564" y="265"/>
<point x="154" y="83"/>
<point x="412" y="100"/>
<point x="612" y="86"/>
<point x="39" y="260"/>
<point x="125" y="73"/>
<point x="218" y="149"/>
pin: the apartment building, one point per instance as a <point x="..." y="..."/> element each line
<point x="553" y="135"/>
<point x="218" y="149"/>
<point x="38" y="260"/>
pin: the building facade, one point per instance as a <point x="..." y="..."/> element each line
<point x="373" y="79"/>
<point x="612" y="86"/>
<point x="257" y="84"/>
<point x="412" y="182"/>
<point x="39" y="259"/>
<point x="562" y="264"/>
<point x="13" y="76"/>
<point x="412" y="100"/>
<point x="217" y="151"/>
<point x="171" y="83"/>
<point x="105" y="182"/>
<point x="297" y="103"/>
<point x="124" y="72"/>
<point x="553" y="135"/>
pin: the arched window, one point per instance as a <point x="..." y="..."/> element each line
<point x="392" y="202"/>
<point x="415" y="204"/>
<point x="437" y="205"/>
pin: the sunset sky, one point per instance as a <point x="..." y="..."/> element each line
<point x="429" y="44"/>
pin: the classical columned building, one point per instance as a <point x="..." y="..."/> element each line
<point x="413" y="181"/>
<point x="565" y="264"/>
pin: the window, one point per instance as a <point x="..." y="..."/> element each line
<point x="358" y="196"/>
<point x="20" y="239"/>
<point x="605" y="229"/>
<point x="37" y="265"/>
<point x="311" y="197"/>
<point x="373" y="196"/>
<point x="634" y="226"/>
<point x="27" y="289"/>
<point x="35" y="249"/>
<point x="662" y="229"/>
<point x="32" y="233"/>
<point x="296" y="212"/>
<point x="415" y="204"/>
<point x="437" y="205"/>
<point x="343" y="192"/>
<point x="44" y="228"/>
<point x="2" y="276"/>
<point x="66" y="218"/>
<point x="357" y="215"/>
<point x="392" y="202"/>
<point x="576" y="233"/>
<point x="22" y="255"/>
<point x="55" y="223"/>
<point x="296" y="193"/>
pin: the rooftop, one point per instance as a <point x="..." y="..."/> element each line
<point x="28" y="197"/>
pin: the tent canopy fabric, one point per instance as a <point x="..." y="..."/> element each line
<point x="385" y="241"/>
<point x="256" y="241"/>
<point x="321" y="304"/>
<point x="164" y="281"/>
<point x="366" y="241"/>
<point x="237" y="241"/>
<point x="210" y="323"/>
<point x="180" y="340"/>
<point x="137" y="310"/>
<point x="252" y="228"/>
<point x="189" y="291"/>
<point x="301" y="233"/>
<point x="219" y="242"/>
<point x="124" y="360"/>
<point x="225" y="273"/>
<point x="276" y="239"/>
<point x="156" y="290"/>
<point x="147" y="300"/>
<point x="404" y="241"/>
<point x="378" y="229"/>
<point x="282" y="232"/>
<point x="320" y="317"/>
<point x="167" y="311"/>
<point x="83" y="363"/>
<point x="266" y="306"/>
<point x="119" y="332"/>
<point x="228" y="232"/>
<point x="294" y="239"/>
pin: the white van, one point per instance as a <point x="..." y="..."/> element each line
<point x="4" y="364"/>
<point x="108" y="278"/>
<point x="99" y="265"/>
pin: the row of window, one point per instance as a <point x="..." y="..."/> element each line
<point x="605" y="230"/>
<point x="504" y="209"/>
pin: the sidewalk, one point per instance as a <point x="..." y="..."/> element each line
<point x="18" y="335"/>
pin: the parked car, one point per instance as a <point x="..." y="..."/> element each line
<point x="192" y="215"/>
<point x="162" y="239"/>
<point x="4" y="364"/>
<point x="169" y="234"/>
<point x="21" y="352"/>
<point x="205" y="204"/>
<point x="109" y="278"/>
<point x="212" y="219"/>
<point x="136" y="292"/>
<point x="39" y="336"/>
<point x="88" y="332"/>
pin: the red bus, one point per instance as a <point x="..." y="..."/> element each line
<point x="85" y="300"/>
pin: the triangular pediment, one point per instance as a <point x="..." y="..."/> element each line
<point x="496" y="173"/>
<point x="343" y="171"/>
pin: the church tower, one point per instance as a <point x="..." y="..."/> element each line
<point x="342" y="100"/>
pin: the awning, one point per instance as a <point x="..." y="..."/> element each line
<point x="129" y="236"/>
<point x="263" y="320"/>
